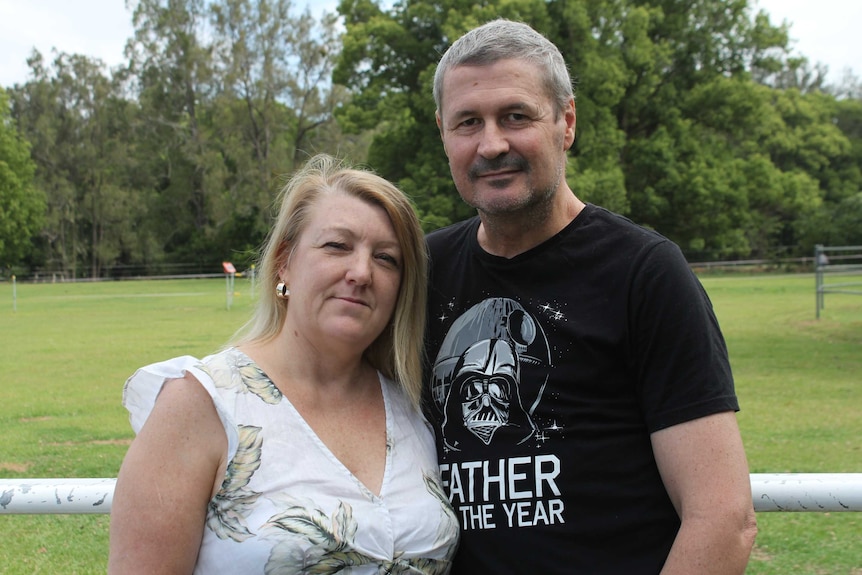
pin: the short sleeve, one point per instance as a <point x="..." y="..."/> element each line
<point x="143" y="387"/>
<point x="683" y="367"/>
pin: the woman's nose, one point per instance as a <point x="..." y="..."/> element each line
<point x="359" y="270"/>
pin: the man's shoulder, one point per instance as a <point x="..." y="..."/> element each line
<point x="451" y="235"/>
<point x="605" y="226"/>
<point x="598" y="214"/>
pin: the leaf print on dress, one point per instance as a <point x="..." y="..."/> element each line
<point x="257" y="382"/>
<point x="414" y="566"/>
<point x="448" y="527"/>
<point x="322" y="545"/>
<point x="228" y="509"/>
<point x="316" y="544"/>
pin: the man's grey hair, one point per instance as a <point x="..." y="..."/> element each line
<point x="503" y="39"/>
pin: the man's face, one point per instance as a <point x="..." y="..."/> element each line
<point x="505" y="141"/>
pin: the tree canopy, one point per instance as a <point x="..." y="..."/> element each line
<point x="21" y="204"/>
<point x="694" y="118"/>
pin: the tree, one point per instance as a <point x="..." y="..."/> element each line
<point x="388" y="60"/>
<point x="233" y="95"/>
<point x="78" y="124"/>
<point x="275" y="97"/>
<point x="674" y="123"/>
<point x="836" y="221"/>
<point x="21" y="204"/>
<point x="172" y="64"/>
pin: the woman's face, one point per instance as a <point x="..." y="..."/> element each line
<point x="344" y="274"/>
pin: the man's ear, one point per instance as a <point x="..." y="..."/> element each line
<point x="570" y="117"/>
<point x="440" y="130"/>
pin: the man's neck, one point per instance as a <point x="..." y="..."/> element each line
<point x="510" y="235"/>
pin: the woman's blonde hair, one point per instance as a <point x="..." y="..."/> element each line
<point x="397" y="351"/>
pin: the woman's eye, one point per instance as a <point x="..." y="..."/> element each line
<point x="336" y="245"/>
<point x="390" y="259"/>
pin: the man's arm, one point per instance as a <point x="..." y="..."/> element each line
<point x="702" y="463"/>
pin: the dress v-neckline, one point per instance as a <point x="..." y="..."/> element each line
<point x="322" y="444"/>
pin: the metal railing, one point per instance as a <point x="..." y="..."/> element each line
<point x="843" y="261"/>
<point x="807" y="492"/>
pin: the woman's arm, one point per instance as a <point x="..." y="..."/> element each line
<point x="172" y="469"/>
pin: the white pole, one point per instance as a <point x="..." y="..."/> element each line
<point x="56" y="495"/>
<point x="807" y="491"/>
<point x="811" y="492"/>
<point x="229" y="289"/>
<point x="14" y="294"/>
<point x="229" y="273"/>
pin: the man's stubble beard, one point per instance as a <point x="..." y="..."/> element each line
<point x="535" y="210"/>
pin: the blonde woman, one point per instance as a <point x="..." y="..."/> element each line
<point x="300" y="447"/>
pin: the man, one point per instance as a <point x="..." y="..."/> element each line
<point x="579" y="382"/>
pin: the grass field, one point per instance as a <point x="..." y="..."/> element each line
<point x="67" y="349"/>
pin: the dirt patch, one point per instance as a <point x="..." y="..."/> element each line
<point x="14" y="467"/>
<point x="760" y="554"/>
<point x="94" y="442"/>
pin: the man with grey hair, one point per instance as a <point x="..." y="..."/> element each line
<point x="578" y="381"/>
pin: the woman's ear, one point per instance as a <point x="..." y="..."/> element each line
<point x="283" y="259"/>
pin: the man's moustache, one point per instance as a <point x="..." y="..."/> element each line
<point x="483" y="166"/>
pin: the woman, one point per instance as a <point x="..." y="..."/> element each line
<point x="299" y="448"/>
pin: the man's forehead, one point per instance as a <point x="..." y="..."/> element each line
<point x="511" y="87"/>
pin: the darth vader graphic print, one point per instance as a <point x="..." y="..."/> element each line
<point x="477" y="377"/>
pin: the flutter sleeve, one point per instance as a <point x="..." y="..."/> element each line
<point x="143" y="387"/>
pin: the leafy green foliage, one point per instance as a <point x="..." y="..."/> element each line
<point x="21" y="203"/>
<point x="178" y="156"/>
<point x="693" y="119"/>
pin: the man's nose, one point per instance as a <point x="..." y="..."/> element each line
<point x="493" y="141"/>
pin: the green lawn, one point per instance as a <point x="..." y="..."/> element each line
<point x="67" y="349"/>
<point x="799" y="382"/>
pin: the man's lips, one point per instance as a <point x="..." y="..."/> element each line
<point x="499" y="174"/>
<point x="496" y="180"/>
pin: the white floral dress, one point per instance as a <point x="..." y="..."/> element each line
<point x="287" y="504"/>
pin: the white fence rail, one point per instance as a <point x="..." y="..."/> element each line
<point x="68" y="495"/>
<point x="812" y="492"/>
<point x="824" y="492"/>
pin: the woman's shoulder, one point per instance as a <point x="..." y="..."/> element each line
<point x="190" y="378"/>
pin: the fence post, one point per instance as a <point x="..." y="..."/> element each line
<point x="229" y="275"/>
<point x="818" y="277"/>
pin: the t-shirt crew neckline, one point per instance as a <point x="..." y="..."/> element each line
<point x="549" y="243"/>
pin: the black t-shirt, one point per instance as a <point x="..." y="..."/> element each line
<point x="547" y="374"/>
